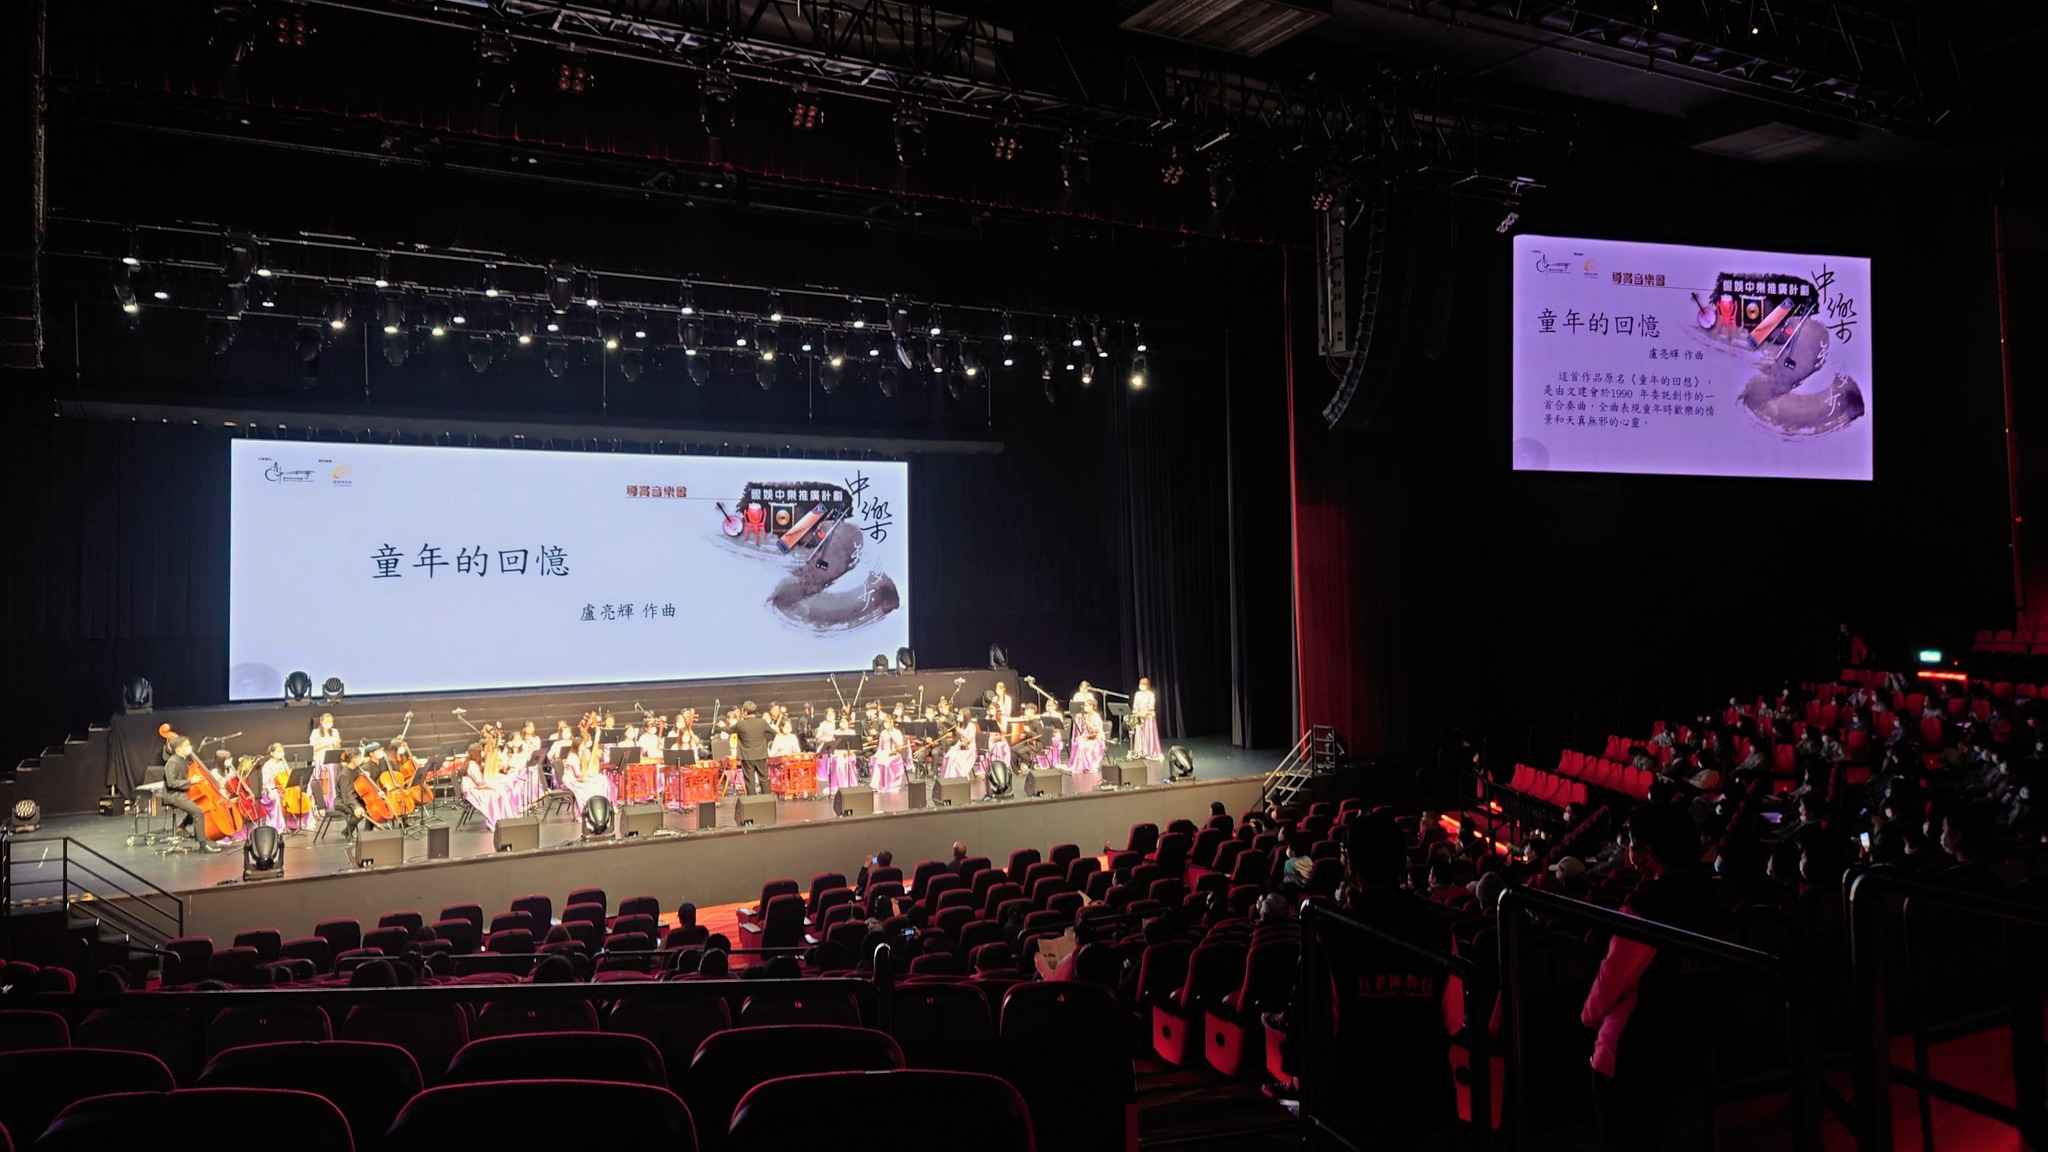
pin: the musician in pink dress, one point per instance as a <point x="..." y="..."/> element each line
<point x="959" y="761"/>
<point x="584" y="776"/>
<point x="1145" y="722"/>
<point x="492" y="800"/>
<point x="271" y="775"/>
<point x="891" y="761"/>
<point x="1089" y="745"/>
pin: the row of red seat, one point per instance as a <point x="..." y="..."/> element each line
<point x="1601" y="773"/>
<point x="1547" y="786"/>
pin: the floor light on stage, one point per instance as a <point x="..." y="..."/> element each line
<point x="998" y="657"/>
<point x="26" y="816"/>
<point x="998" y="783"/>
<point x="881" y="665"/>
<point x="263" y="855"/>
<point x="597" y="818"/>
<point x="332" y="690"/>
<point x="906" y="661"/>
<point x="298" y="688"/>
<point x="136" y="696"/>
<point x="1181" y="761"/>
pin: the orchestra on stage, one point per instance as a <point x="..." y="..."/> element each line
<point x="677" y="762"/>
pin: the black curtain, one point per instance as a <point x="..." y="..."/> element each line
<point x="120" y="569"/>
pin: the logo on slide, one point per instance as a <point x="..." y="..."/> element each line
<point x="277" y="473"/>
<point x="340" y="476"/>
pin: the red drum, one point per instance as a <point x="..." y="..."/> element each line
<point x="793" y="777"/>
<point x="640" y="783"/>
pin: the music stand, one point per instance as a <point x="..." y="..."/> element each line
<point x="1121" y="713"/>
<point x="617" y="755"/>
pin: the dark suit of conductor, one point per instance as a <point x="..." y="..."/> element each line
<point x="754" y="732"/>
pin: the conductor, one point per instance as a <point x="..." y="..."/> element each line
<point x="753" y="734"/>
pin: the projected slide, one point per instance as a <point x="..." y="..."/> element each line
<point x="404" y="569"/>
<point x="1690" y="361"/>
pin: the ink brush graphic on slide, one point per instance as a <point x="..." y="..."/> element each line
<point x="819" y="552"/>
<point x="731" y="524"/>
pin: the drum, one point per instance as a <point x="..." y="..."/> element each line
<point x="640" y="783"/>
<point x="793" y="777"/>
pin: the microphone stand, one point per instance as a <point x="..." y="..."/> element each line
<point x="1033" y="682"/>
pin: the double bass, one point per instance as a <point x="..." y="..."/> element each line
<point x="236" y="789"/>
<point x="222" y="818"/>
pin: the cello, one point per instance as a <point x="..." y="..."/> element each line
<point x="236" y="789"/>
<point x="374" y="804"/>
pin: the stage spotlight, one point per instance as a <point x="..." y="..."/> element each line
<point x="556" y="357"/>
<point x="856" y="315"/>
<point x="307" y="342"/>
<point x="597" y="818"/>
<point x="1073" y="160"/>
<point x="1087" y="373"/>
<point x="234" y="300"/>
<point x="391" y="313"/>
<point x="331" y="691"/>
<point x="260" y="260"/>
<point x="767" y="341"/>
<point x="828" y="377"/>
<point x="899" y="318"/>
<point x="1004" y="143"/>
<point x="380" y="270"/>
<point x="700" y="369"/>
<point x="880" y="665"/>
<point x="561" y="286"/>
<point x="835" y="349"/>
<point x="997" y="782"/>
<point x="1328" y="186"/>
<point x="263" y="855"/>
<point x="1138" y="378"/>
<point x="457" y="314"/>
<point x="906" y="661"/>
<point x="1138" y="338"/>
<point x="1222" y="185"/>
<point x="28" y="816"/>
<point x="609" y="328"/>
<point x="124" y="288"/>
<point x="970" y="360"/>
<point x="1097" y="339"/>
<point x="998" y="657"/>
<point x="436" y="314"/>
<point x="933" y="326"/>
<point x="715" y="100"/>
<point x="220" y="335"/>
<point x="935" y="357"/>
<point x="1074" y="334"/>
<point x="1009" y="328"/>
<point x="590" y="290"/>
<point x="397" y="347"/>
<point x="888" y="378"/>
<point x="956" y="387"/>
<point x="764" y="372"/>
<point x="239" y="260"/>
<point x="137" y="695"/>
<point x="480" y="352"/>
<point x="805" y="113"/>
<point x="690" y="335"/>
<point x="775" y="307"/>
<point x="572" y="79"/>
<point x="523" y="325"/>
<point x="1172" y="168"/>
<point x="907" y="354"/>
<point x="804" y="343"/>
<point x="910" y="126"/>
<point x="686" y="300"/>
<point x="337" y="309"/>
<point x="297" y="688"/>
<point x="489" y="281"/>
<point x="631" y="364"/>
<point x="1181" y="762"/>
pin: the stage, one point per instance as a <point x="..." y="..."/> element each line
<point x="719" y="865"/>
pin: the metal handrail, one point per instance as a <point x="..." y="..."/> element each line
<point x="1317" y="1007"/>
<point x="1298" y="757"/>
<point x="1875" y="1071"/>
<point x="145" y="894"/>
<point x="1803" y="1043"/>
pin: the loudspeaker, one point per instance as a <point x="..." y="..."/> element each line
<point x="756" y="810"/>
<point x="1040" y="782"/>
<point x="520" y="834"/>
<point x="919" y="794"/>
<point x="437" y="841"/>
<point x="1133" y="773"/>
<point x="639" y="820"/>
<point x="707" y="815"/>
<point x="1406" y="299"/>
<point x="856" y="801"/>
<point x="380" y="848"/>
<point x="953" y="793"/>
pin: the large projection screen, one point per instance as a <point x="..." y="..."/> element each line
<point x="413" y="569"/>
<point x="1663" y="358"/>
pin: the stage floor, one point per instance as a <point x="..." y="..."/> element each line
<point x="1215" y="759"/>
